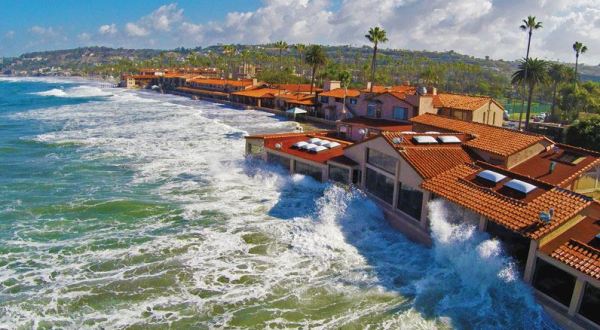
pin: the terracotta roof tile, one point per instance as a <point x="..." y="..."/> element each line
<point x="223" y="82"/>
<point x="580" y="256"/>
<point x="492" y="139"/>
<point x="339" y="93"/>
<point x="521" y="216"/>
<point x="297" y="88"/>
<point x="382" y="124"/>
<point x="257" y="93"/>
<point x="429" y="160"/>
<point x="461" y="102"/>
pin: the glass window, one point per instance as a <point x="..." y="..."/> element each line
<point x="381" y="160"/>
<point x="400" y="113"/>
<point x="353" y="101"/>
<point x="590" y="303"/>
<point x="459" y="114"/>
<point x="554" y="282"/>
<point x="255" y="149"/>
<point x="339" y="174"/>
<point x="371" y="109"/>
<point x="278" y="160"/>
<point x="380" y="186"/>
<point x="356" y="176"/>
<point x="410" y="201"/>
<point x="306" y="169"/>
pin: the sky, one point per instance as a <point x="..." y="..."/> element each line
<point x="474" y="27"/>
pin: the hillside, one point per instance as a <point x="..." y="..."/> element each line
<point x="75" y="61"/>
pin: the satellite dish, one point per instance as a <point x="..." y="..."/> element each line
<point x="362" y="131"/>
<point x="397" y="140"/>
<point x="277" y="145"/>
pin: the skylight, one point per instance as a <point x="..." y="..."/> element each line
<point x="314" y="140"/>
<point x="308" y="146"/>
<point x="449" y="139"/>
<point x="424" y="139"/>
<point x="520" y="186"/>
<point x="331" y="144"/>
<point x="317" y="148"/>
<point x="299" y="144"/>
<point x="491" y="176"/>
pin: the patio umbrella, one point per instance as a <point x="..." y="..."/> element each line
<point x="296" y="111"/>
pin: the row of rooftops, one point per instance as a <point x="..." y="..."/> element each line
<point x="529" y="199"/>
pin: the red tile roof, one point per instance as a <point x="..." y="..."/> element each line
<point x="200" y="91"/>
<point x="461" y="102"/>
<point x="222" y="82"/>
<point x="381" y="124"/>
<point x="492" y="139"/>
<point x="257" y="93"/>
<point x="580" y="256"/>
<point x="377" y="89"/>
<point x="429" y="160"/>
<point x="521" y="216"/>
<point x="297" y="88"/>
<point x="286" y="140"/>
<point x="538" y="166"/>
<point x="339" y="93"/>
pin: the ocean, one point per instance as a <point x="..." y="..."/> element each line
<point x="134" y="210"/>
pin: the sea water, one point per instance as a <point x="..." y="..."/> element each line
<point x="125" y="209"/>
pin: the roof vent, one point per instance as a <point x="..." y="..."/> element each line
<point x="423" y="139"/>
<point x="520" y="186"/>
<point x="331" y="144"/>
<point x="546" y="217"/>
<point x="449" y="139"/>
<point x="397" y="140"/>
<point x="491" y="176"/>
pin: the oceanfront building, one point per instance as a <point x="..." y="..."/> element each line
<point x="534" y="195"/>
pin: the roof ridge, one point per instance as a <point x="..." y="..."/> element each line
<point x="480" y="124"/>
<point x="584" y="245"/>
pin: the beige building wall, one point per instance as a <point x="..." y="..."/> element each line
<point x="490" y="114"/>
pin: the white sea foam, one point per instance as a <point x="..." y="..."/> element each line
<point x="253" y="243"/>
<point x="77" y="91"/>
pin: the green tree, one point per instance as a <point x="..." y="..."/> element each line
<point x="229" y="51"/>
<point x="579" y="49"/>
<point x="281" y="46"/>
<point x="315" y="57"/>
<point x="300" y="49"/>
<point x="375" y="36"/>
<point x="558" y="74"/>
<point x="345" y="79"/>
<point x="531" y="72"/>
<point x="585" y="133"/>
<point x="529" y="25"/>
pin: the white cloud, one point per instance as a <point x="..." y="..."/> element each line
<point x="135" y="30"/>
<point x="164" y="17"/>
<point x="43" y="31"/>
<point x="9" y="34"/>
<point x="108" y="29"/>
<point x="84" y="36"/>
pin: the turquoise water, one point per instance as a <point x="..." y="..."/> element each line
<point x="122" y="209"/>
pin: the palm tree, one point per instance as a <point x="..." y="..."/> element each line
<point x="315" y="57"/>
<point x="345" y="79"/>
<point x="375" y="36"/>
<point x="558" y="74"/>
<point x="531" y="72"/>
<point x="579" y="49"/>
<point x="300" y="48"/>
<point x="281" y="45"/>
<point x="528" y="25"/>
<point x="229" y="50"/>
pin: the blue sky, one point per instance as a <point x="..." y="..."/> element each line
<point x="475" y="27"/>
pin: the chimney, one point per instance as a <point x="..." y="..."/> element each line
<point x="433" y="91"/>
<point x="331" y="84"/>
<point x="368" y="85"/>
<point x="254" y="81"/>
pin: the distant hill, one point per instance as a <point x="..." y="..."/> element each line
<point x="72" y="60"/>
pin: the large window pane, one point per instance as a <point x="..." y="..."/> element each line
<point x="306" y="169"/>
<point x="590" y="304"/>
<point x="381" y="160"/>
<point x="380" y="186"/>
<point x="554" y="282"/>
<point x="400" y="113"/>
<point x="410" y="201"/>
<point x="278" y="160"/>
<point x="339" y="174"/>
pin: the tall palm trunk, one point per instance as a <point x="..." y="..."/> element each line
<point x="529" y="98"/>
<point x="312" y="78"/>
<point x="552" y="109"/>
<point x="576" y="65"/>
<point x="525" y="79"/>
<point x="373" y="61"/>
